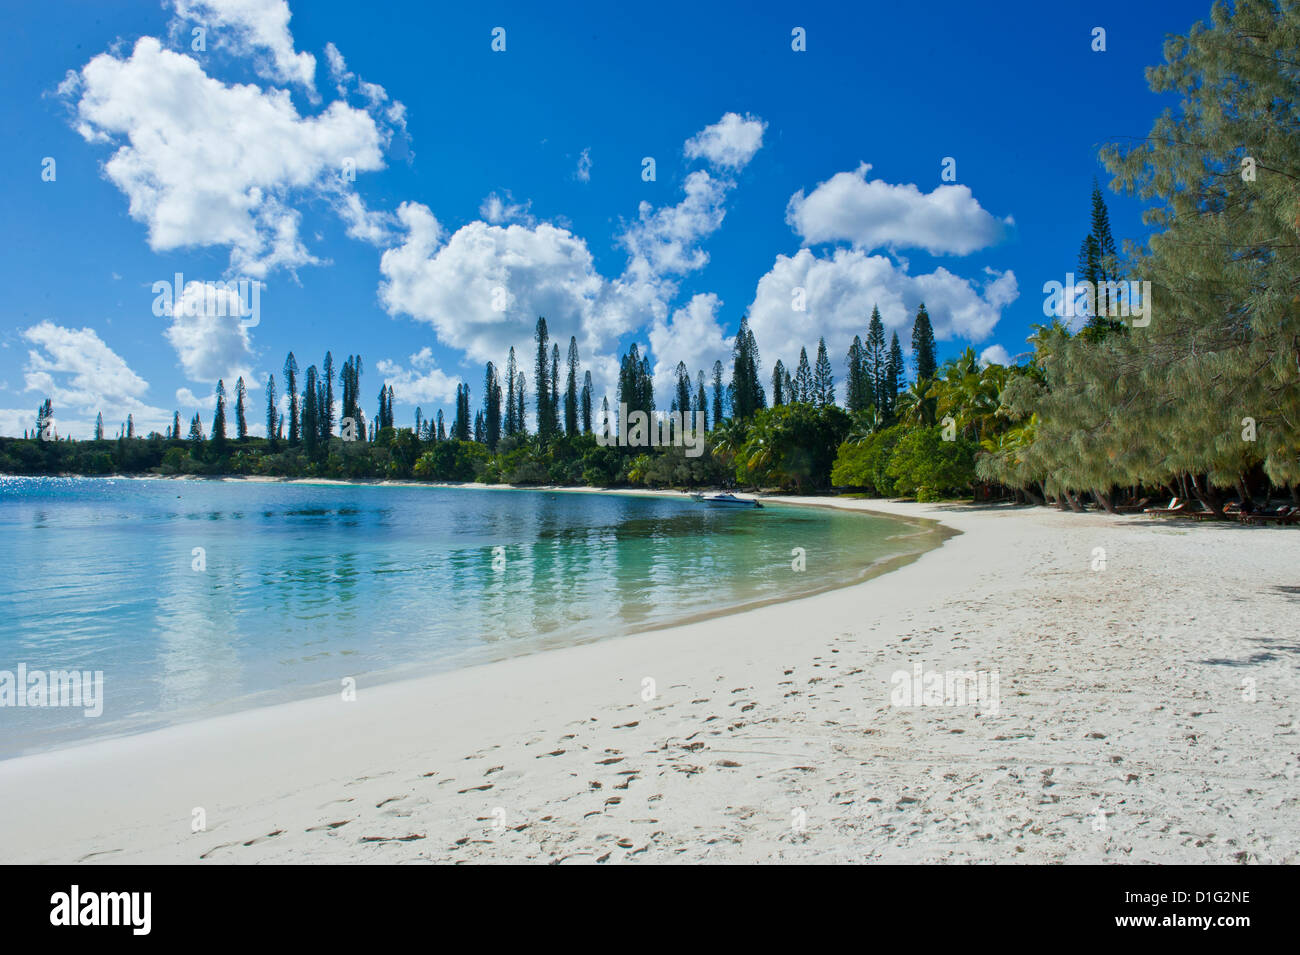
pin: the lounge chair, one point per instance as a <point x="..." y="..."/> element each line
<point x="1135" y="508"/>
<point x="1283" y="515"/>
<point x="1176" y="508"/>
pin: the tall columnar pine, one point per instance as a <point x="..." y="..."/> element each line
<point x="803" y="381"/>
<point x="99" y="426"/>
<point x="219" y="415"/>
<point x="682" y="392"/>
<point x="327" y="406"/>
<point x="895" y="375"/>
<point x="241" y="420"/>
<point x="586" y="402"/>
<point x="823" y="378"/>
<point x="176" y="425"/>
<point x="571" y="409"/>
<point x="322" y="417"/>
<point x="461" y="428"/>
<point x="718" y="394"/>
<point x="309" y="427"/>
<point x="778" y="384"/>
<point x="542" y="372"/>
<point x="875" y="357"/>
<point x="521" y="388"/>
<point x="492" y="408"/>
<point x="554" y="402"/>
<point x="923" y="349"/>
<point x="702" y="401"/>
<point x="1099" y="265"/>
<point x="512" y="412"/>
<point x="858" y="397"/>
<point x="747" y="394"/>
<point x="272" y="414"/>
<point x="291" y="392"/>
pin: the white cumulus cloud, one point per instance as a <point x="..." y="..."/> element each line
<point x="203" y="163"/>
<point x="874" y="214"/>
<point x="83" y="376"/>
<point x="257" y="26"/>
<point x="839" y="292"/>
<point x="730" y="143"/>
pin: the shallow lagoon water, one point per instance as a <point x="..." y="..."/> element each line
<point x="200" y="597"/>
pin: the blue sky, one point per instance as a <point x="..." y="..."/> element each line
<point x="493" y="186"/>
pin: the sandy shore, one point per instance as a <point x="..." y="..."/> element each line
<point x="1146" y="713"/>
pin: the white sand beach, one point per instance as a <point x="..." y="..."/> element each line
<point x="1147" y="714"/>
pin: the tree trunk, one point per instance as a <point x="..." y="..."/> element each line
<point x="1031" y="497"/>
<point x="1243" y="491"/>
<point x="1105" y="501"/>
<point x="1205" y="494"/>
<point x="1074" y="502"/>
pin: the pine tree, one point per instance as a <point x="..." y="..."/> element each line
<point x="858" y="397"/>
<point x="702" y="401"/>
<point x="442" y="428"/>
<point x="894" y="375"/>
<point x="542" y="371"/>
<point x="492" y="408"/>
<point x="718" y="392"/>
<point x="571" y="391"/>
<point x="45" y="420"/>
<point x="747" y="395"/>
<point x="803" y="381"/>
<point x="875" y="357"/>
<point x="327" y="406"/>
<point x="682" y="393"/>
<point x="322" y="416"/>
<point x="219" y="416"/>
<point x="271" y="416"/>
<point x="241" y="422"/>
<point x="554" y="402"/>
<point x="309" y="426"/>
<point x="461" y="428"/>
<point x="1099" y="265"/>
<point x="196" y="428"/>
<point x="176" y="424"/>
<point x="512" y="412"/>
<point x="778" y="384"/>
<point x="586" y="402"/>
<point x="291" y="392"/>
<point x="130" y="426"/>
<point x="99" y="427"/>
<point x="823" y="378"/>
<point x="521" y="388"/>
<point x="923" y="346"/>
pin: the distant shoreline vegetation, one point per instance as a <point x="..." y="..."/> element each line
<point x="1196" y="399"/>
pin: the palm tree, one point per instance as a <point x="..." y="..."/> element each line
<point x="915" y="406"/>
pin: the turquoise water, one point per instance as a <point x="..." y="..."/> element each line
<point x="304" y="585"/>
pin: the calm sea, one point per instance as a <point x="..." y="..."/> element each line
<point x="199" y="597"/>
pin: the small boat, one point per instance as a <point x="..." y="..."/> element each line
<point x="726" y="500"/>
